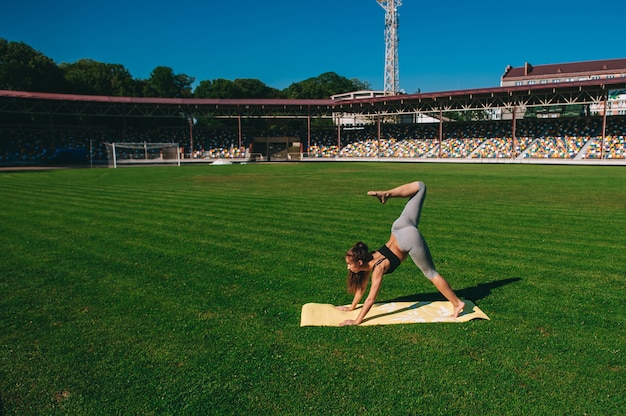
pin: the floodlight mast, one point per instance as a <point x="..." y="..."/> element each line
<point x="392" y="71"/>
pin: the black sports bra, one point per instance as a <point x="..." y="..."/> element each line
<point x="394" y="261"/>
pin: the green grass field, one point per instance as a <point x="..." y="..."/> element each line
<point x="177" y="291"/>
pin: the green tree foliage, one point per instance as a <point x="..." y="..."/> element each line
<point x="218" y="88"/>
<point x="24" y="69"/>
<point x="239" y="88"/>
<point x="253" y="88"/>
<point x="164" y="83"/>
<point x="324" y="86"/>
<point x="86" y="76"/>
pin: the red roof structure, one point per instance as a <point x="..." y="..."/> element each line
<point x="473" y="99"/>
<point x="590" y="69"/>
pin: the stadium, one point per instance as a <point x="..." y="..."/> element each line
<point x="576" y="118"/>
<point x="159" y="290"/>
<point x="547" y="113"/>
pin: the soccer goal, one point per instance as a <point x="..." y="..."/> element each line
<point x="142" y="153"/>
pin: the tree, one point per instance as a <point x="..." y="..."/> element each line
<point x="253" y="88"/>
<point x="165" y="84"/>
<point x="359" y="85"/>
<point x="239" y="88"/>
<point x="24" y="69"/>
<point x="218" y="88"/>
<point x="86" y="76"/>
<point x="324" y="86"/>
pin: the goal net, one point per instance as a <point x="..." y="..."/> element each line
<point x="142" y="153"/>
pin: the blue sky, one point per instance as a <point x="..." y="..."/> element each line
<point x="444" y="45"/>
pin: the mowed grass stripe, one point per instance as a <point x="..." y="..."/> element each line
<point x="181" y="288"/>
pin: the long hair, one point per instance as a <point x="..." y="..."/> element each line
<point x="358" y="281"/>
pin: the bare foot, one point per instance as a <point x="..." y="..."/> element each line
<point x="381" y="195"/>
<point x="458" y="309"/>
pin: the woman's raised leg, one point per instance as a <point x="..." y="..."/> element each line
<point x="403" y="191"/>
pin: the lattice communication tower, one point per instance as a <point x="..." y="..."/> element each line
<point x="392" y="71"/>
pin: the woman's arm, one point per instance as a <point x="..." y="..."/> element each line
<point x="377" y="278"/>
<point x="357" y="298"/>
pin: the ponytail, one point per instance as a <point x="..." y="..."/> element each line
<point x="358" y="281"/>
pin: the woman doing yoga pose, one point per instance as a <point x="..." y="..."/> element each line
<point x="405" y="240"/>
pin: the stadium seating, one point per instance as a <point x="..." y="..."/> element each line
<point x="565" y="138"/>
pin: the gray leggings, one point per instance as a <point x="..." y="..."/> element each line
<point x="409" y="237"/>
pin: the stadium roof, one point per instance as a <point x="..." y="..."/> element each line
<point x="154" y="100"/>
<point x="578" y="92"/>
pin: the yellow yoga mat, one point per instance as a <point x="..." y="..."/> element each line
<point x="387" y="313"/>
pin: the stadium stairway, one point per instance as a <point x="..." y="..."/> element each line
<point x="524" y="154"/>
<point x="583" y="152"/>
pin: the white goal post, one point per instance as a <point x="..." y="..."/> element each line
<point x="142" y="153"/>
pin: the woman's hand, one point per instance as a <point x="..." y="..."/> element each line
<point x="347" y="322"/>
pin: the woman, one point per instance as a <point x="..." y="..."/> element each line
<point x="405" y="240"/>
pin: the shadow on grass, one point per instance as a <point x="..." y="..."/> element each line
<point x="474" y="293"/>
<point x="408" y="308"/>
